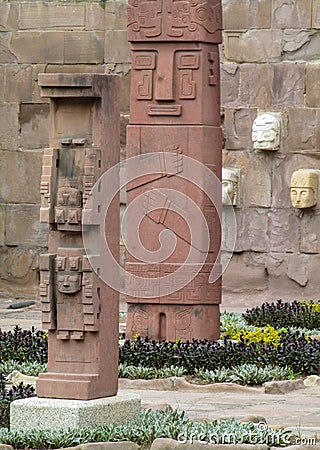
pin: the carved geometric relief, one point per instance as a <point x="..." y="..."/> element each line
<point x="47" y="184"/>
<point x="140" y="321"/>
<point x="46" y="291"/>
<point x="145" y="16"/>
<point x="213" y="58"/>
<point x="69" y="209"/>
<point x="183" y="324"/>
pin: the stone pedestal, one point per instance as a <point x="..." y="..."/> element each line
<point x="52" y="413"/>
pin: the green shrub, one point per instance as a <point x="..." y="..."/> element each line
<point x="147" y="427"/>
<point x="24" y="345"/>
<point x="246" y="374"/>
<point x="294" y="351"/>
<point x="147" y="373"/>
<point x="32" y="368"/>
<point x="281" y="314"/>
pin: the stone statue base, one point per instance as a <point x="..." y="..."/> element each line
<point x="53" y="413"/>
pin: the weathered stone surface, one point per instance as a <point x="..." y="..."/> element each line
<point x="105" y="446"/>
<point x="6" y="55"/>
<point x="253" y="46"/>
<point x="297" y="268"/>
<point x="313" y="85"/>
<point x="116" y="47"/>
<point x="116" y="15"/>
<point x="236" y="14"/>
<point x="295" y="14"/>
<point x="301" y="45"/>
<point x="241" y="15"/>
<point x="34" y="125"/>
<point x="283" y="229"/>
<point x="288" y="84"/>
<point x="23" y="226"/>
<point x="2" y="78"/>
<point x="95" y="17"/>
<point x="315" y="14"/>
<point x="44" y="15"/>
<point x="303" y="129"/>
<point x="9" y="126"/>
<point x="244" y="274"/>
<point x="20" y="177"/>
<point x="256" y="85"/>
<point x="125" y="84"/>
<point x="310" y="233"/>
<point x="192" y="444"/>
<point x="282" y="387"/>
<point x="9" y="16"/>
<point x="18" y="83"/>
<point x="2" y="223"/>
<point x="38" y="46"/>
<point x="19" y="270"/>
<point x="5" y="447"/>
<point x="83" y="47"/>
<point x="74" y="68"/>
<point x="252" y="231"/>
<point x="238" y="124"/>
<point x="230" y="77"/>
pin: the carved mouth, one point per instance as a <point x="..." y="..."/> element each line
<point x="164" y="110"/>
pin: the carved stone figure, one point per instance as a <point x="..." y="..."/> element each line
<point x="230" y="186"/>
<point x="266" y="132"/>
<point x="304" y="188"/>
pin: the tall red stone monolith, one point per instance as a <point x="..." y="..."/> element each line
<point x="78" y="309"/>
<point x="174" y="110"/>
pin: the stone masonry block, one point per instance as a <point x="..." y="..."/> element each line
<point x="125" y="83"/>
<point x="256" y="175"/>
<point x="297" y="268"/>
<point x="256" y="82"/>
<point x="36" y="97"/>
<point x="22" y="226"/>
<point x="6" y="55"/>
<point x="244" y="274"/>
<point x="288" y="84"/>
<point x="2" y="223"/>
<point x="34" y="125"/>
<point x="74" y="68"/>
<point x="20" y="174"/>
<point x="18" y="83"/>
<point x="19" y="270"/>
<point x="2" y="78"/>
<point x="238" y="124"/>
<point x="38" y="46"/>
<point x="253" y="46"/>
<point x="313" y="85"/>
<point x="310" y="233"/>
<point x="236" y="14"/>
<point x="9" y="126"/>
<point x="260" y="13"/>
<point x="230" y="77"/>
<point x="46" y="15"/>
<point x="252" y="234"/>
<point x="283" y="229"/>
<point x="95" y="14"/>
<point x="116" y="15"/>
<point x="315" y="14"/>
<point x="303" y="129"/>
<point x="295" y="14"/>
<point x="83" y="47"/>
<point x="117" y="47"/>
<point x="300" y="45"/>
<point x="9" y="13"/>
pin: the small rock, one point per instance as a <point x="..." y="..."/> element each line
<point x="311" y="380"/>
<point x="282" y="387"/>
<point x="253" y="419"/>
<point x="5" y="447"/>
<point x="170" y="444"/>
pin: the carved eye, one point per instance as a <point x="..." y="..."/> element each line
<point x="304" y="193"/>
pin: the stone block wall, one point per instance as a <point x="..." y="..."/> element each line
<point x="270" y="62"/>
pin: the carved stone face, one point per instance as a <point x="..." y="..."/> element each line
<point x="69" y="283"/>
<point x="304" y="188"/>
<point x="266" y="132"/>
<point x="230" y="181"/>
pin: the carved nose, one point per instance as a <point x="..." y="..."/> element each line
<point x="164" y="80"/>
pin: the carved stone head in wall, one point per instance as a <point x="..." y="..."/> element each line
<point x="266" y="132"/>
<point x="304" y="188"/>
<point x="230" y="181"/>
